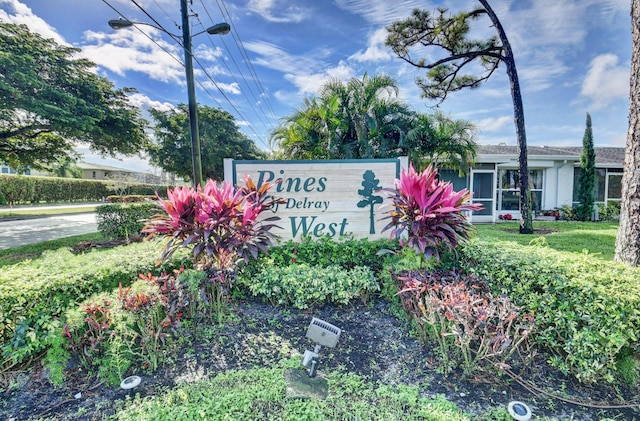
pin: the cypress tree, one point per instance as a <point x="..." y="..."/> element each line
<point x="587" y="178"/>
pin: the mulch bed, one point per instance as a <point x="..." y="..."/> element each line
<point x="374" y="344"/>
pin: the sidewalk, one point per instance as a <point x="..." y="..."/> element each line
<point x="7" y="209"/>
<point x="19" y="232"/>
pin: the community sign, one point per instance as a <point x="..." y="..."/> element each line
<point x="332" y="198"/>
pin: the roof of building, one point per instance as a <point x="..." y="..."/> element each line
<point x="604" y="155"/>
<point x="100" y="167"/>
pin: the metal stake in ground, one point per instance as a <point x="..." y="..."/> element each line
<point x="323" y="334"/>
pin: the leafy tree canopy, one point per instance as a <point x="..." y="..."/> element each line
<point x="219" y="138"/>
<point x="50" y="100"/>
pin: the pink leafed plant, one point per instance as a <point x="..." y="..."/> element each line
<point x="220" y="222"/>
<point x="428" y="213"/>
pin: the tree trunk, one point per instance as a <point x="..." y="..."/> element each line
<point x="628" y="239"/>
<point x="526" y="220"/>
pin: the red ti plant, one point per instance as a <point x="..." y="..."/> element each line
<point x="428" y="213"/>
<point x="220" y="223"/>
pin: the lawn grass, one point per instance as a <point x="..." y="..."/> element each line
<point x="597" y="238"/>
<point x="13" y="255"/>
<point x="260" y="393"/>
<point x="17" y="213"/>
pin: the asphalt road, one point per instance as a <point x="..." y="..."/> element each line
<point x="28" y="231"/>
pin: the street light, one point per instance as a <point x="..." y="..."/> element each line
<point x="219" y="29"/>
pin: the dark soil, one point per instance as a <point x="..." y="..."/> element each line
<point x="374" y="343"/>
<point x="85" y="246"/>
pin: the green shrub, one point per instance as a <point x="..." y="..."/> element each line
<point x="132" y="198"/>
<point x="568" y="213"/>
<point x="34" y="293"/>
<point x="32" y="189"/>
<point x="304" y="286"/>
<point x="325" y="251"/>
<point x="609" y="212"/>
<point x="118" y="220"/>
<point x="586" y="313"/>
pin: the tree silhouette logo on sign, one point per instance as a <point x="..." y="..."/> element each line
<point x="370" y="185"/>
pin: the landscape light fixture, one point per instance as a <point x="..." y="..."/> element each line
<point x="217" y="29"/>
<point x="519" y="411"/>
<point x="323" y="334"/>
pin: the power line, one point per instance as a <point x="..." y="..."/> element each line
<point x="232" y="74"/>
<point x="255" y="79"/>
<point x="243" y="53"/>
<point x="144" y="33"/>
<point x="260" y="103"/>
<point x="179" y="40"/>
<point x="166" y="14"/>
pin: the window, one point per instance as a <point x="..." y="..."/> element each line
<point x="509" y="190"/>
<point x="608" y="184"/>
<point x="458" y="182"/>
<point x="614" y="187"/>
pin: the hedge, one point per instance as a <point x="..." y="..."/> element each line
<point x="587" y="313"/>
<point x="15" y="189"/>
<point x="118" y="220"/>
<point x="34" y="293"/>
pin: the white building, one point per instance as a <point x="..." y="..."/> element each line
<point x="553" y="175"/>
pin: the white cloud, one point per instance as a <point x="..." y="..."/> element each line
<point x="273" y="57"/>
<point x="493" y="124"/>
<point x="278" y="11"/>
<point x="232" y="88"/>
<point x="306" y="73"/>
<point x="381" y="12"/>
<point x="541" y="73"/>
<point x="144" y="102"/>
<point x="376" y="50"/>
<point x="203" y="52"/>
<point x="606" y="81"/>
<point x="130" y="50"/>
<point x="309" y="83"/>
<point x="22" y="14"/>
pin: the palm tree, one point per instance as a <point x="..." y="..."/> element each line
<point x="442" y="141"/>
<point x="307" y="134"/>
<point x="363" y="118"/>
<point x="360" y="119"/>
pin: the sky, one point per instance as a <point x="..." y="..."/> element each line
<point x="572" y="56"/>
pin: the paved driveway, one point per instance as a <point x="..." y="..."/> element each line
<point x="27" y="231"/>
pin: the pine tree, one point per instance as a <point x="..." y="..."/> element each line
<point x="587" y="179"/>
<point x="628" y="239"/>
